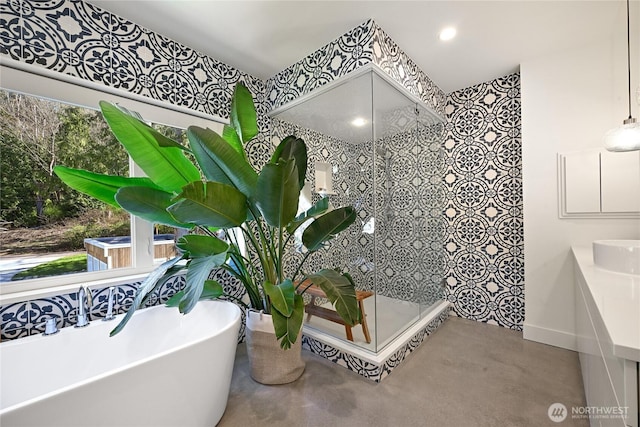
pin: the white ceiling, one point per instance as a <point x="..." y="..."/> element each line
<point x="494" y="37"/>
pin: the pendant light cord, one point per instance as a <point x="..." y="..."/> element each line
<point x="629" y="58"/>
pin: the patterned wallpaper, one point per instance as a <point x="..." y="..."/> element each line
<point x="26" y="318"/>
<point x="336" y="59"/>
<point x="394" y="62"/>
<point x="485" y="280"/>
<point x="363" y="45"/>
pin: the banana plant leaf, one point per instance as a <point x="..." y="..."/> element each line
<point x="288" y="328"/>
<point x="281" y="296"/>
<point x="278" y="193"/>
<point x="198" y="271"/>
<point x="145" y="287"/>
<point x="230" y="135"/>
<point x="220" y="162"/>
<point x="326" y="227"/>
<point x="197" y="246"/>
<point x="206" y="253"/>
<point x="174" y="270"/>
<point x="100" y="186"/>
<point x="150" y="204"/>
<point x="242" y="113"/>
<point x="210" y="204"/>
<point x="293" y="148"/>
<point x="212" y="289"/>
<point x="164" y="163"/>
<point x="340" y="292"/>
<point x="317" y="209"/>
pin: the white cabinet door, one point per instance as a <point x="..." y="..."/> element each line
<point x="582" y="182"/>
<point x="599" y="184"/>
<point x="620" y="181"/>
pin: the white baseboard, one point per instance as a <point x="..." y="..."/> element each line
<point x="550" y="336"/>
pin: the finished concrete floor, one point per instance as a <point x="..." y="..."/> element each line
<point x="466" y="374"/>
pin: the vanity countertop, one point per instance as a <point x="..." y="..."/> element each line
<point x="617" y="297"/>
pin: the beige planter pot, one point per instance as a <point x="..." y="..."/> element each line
<point x="269" y="363"/>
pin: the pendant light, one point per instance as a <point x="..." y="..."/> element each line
<point x="627" y="136"/>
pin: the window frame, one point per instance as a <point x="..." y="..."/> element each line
<point x="40" y="82"/>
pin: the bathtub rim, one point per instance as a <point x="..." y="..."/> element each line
<point x="237" y="318"/>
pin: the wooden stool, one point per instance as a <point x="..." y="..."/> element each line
<point x="326" y="313"/>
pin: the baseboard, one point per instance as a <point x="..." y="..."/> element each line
<point x="550" y="336"/>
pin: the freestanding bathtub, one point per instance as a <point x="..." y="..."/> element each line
<point x="163" y="369"/>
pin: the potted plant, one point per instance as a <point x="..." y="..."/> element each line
<point x="221" y="199"/>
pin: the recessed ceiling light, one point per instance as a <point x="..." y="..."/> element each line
<point x="359" y="122"/>
<point x="447" y="34"/>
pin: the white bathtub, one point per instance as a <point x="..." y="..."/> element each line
<point x="163" y="369"/>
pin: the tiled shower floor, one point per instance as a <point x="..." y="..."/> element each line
<point x="386" y="317"/>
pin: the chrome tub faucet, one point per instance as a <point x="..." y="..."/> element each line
<point x="85" y="301"/>
<point x="110" y="301"/>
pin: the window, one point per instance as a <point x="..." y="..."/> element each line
<point x="48" y="228"/>
<point x="105" y="242"/>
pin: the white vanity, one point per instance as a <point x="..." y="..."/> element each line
<point x="608" y="331"/>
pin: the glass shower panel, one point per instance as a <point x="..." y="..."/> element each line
<point x="370" y="145"/>
<point x="397" y="211"/>
<point x="432" y="227"/>
<point x="337" y="126"/>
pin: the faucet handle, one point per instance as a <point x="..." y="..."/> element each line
<point x="51" y="326"/>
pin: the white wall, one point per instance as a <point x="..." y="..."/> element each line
<point x="569" y="100"/>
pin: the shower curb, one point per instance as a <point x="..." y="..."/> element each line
<point x="372" y="367"/>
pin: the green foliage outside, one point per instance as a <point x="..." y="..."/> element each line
<point x="35" y="136"/>
<point x="119" y="226"/>
<point x="65" y="265"/>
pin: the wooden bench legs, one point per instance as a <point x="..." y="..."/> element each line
<point x="365" y="327"/>
<point x="333" y="316"/>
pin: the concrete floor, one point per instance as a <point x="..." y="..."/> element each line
<point x="466" y="374"/>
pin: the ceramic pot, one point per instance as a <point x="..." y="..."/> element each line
<point x="269" y="364"/>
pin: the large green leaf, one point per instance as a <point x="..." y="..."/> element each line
<point x="318" y="209"/>
<point x="326" y="227"/>
<point x="281" y="296"/>
<point x="278" y="192"/>
<point x="243" y="113"/>
<point x="158" y="156"/>
<point x="147" y="286"/>
<point x="210" y="204"/>
<point x="230" y="135"/>
<point x="293" y="148"/>
<point x="196" y="245"/>
<point x="212" y="289"/>
<point x="206" y="253"/>
<point x="220" y="162"/>
<point x="288" y="328"/>
<point x="340" y="291"/>
<point x="99" y="186"/>
<point x="197" y="273"/>
<point x="150" y="204"/>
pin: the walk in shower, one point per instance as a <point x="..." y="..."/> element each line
<point x="375" y="147"/>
